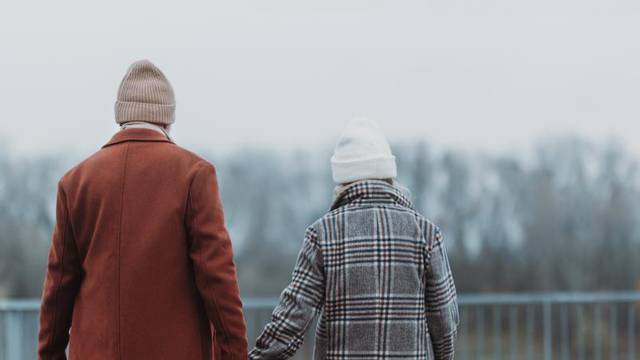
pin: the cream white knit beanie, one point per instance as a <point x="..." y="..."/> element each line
<point x="146" y="95"/>
<point x="362" y="153"/>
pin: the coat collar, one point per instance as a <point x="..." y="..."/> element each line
<point x="137" y="134"/>
<point x="373" y="192"/>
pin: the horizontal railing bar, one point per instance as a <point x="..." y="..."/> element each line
<point x="463" y="299"/>
<point x="19" y="304"/>
<point x="513" y="298"/>
<point x="260" y="303"/>
<point x="556" y="297"/>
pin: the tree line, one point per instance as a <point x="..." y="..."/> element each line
<point x="560" y="216"/>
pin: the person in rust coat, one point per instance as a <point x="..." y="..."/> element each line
<point x="141" y="264"/>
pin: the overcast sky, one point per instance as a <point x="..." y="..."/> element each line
<point x="485" y="75"/>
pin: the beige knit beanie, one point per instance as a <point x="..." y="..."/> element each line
<point x="145" y="95"/>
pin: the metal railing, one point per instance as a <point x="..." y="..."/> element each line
<point x="493" y="326"/>
<point x="549" y="326"/>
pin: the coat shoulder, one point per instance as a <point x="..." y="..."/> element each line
<point x="189" y="160"/>
<point x="430" y="230"/>
<point x="191" y="156"/>
<point x="195" y="160"/>
<point x="75" y="171"/>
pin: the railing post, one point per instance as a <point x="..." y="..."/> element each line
<point x="497" y="333"/>
<point x="547" y="330"/>
<point x="464" y="334"/>
<point x="13" y="333"/>
<point x="513" y="330"/>
<point x="530" y="328"/>
<point x="480" y="331"/>
<point x="597" y="331"/>
<point x="613" y="332"/>
<point x="565" y="337"/>
<point x="580" y="330"/>
<point x="631" y="332"/>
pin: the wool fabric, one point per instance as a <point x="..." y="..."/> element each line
<point x="146" y="95"/>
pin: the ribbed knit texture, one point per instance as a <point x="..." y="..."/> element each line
<point x="362" y="153"/>
<point x="145" y="94"/>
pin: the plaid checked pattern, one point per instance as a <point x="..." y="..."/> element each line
<point x="377" y="273"/>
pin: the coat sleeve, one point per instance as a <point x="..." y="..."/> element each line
<point x="213" y="265"/>
<point x="61" y="285"/>
<point x="299" y="304"/>
<point x="441" y="299"/>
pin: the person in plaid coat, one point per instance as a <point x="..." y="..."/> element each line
<point x="374" y="269"/>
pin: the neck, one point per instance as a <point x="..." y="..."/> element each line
<point x="146" y="125"/>
<point x="340" y="188"/>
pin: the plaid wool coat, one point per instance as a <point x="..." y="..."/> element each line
<point x="377" y="273"/>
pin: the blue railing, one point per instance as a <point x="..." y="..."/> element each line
<point x="493" y="326"/>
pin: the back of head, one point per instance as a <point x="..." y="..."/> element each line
<point x="145" y="95"/>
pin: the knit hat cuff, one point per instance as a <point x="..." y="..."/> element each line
<point x="345" y="171"/>
<point x="136" y="111"/>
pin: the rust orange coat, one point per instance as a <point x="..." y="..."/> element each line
<point x="141" y="265"/>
